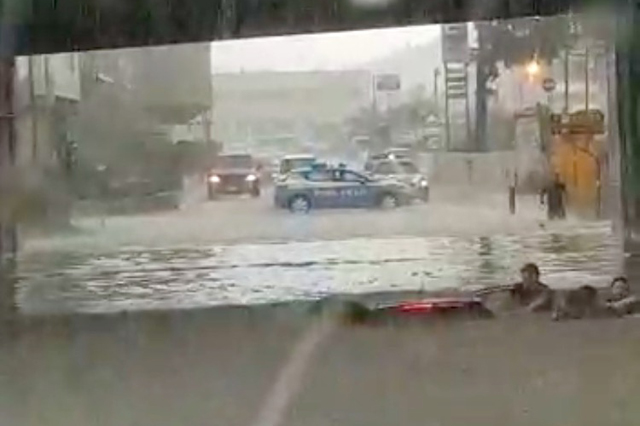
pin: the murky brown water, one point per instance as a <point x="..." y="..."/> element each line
<point x="205" y="275"/>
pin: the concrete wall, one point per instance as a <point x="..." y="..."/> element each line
<point x="491" y="170"/>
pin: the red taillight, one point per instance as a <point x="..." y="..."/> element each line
<point x="430" y="306"/>
<point x="415" y="307"/>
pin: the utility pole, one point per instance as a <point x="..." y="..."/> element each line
<point x="436" y="94"/>
<point x="566" y="80"/>
<point x="212" y="150"/>
<point x="33" y="109"/>
<point x="587" y="93"/>
<point x="467" y="111"/>
<point x="374" y="94"/>
<point x="8" y="231"/>
<point x="481" y="90"/>
<point x="447" y="120"/>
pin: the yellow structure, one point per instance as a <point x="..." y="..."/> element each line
<point x="575" y="158"/>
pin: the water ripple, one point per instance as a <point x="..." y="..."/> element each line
<point x="176" y="278"/>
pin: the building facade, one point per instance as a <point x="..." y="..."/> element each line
<point x="286" y="110"/>
<point x="171" y="83"/>
<point x="47" y="97"/>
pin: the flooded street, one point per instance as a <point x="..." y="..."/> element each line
<point x="148" y="295"/>
<point x="241" y="251"/>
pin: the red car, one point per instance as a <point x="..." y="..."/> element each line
<point x="422" y="309"/>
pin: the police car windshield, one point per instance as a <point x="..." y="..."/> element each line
<point x="340" y="175"/>
<point x="234" y="162"/>
<point x="296" y="163"/>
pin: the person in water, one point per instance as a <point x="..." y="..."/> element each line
<point x="579" y="303"/>
<point x="554" y="195"/>
<point x="622" y="301"/>
<point x="584" y="302"/>
<point x="530" y="293"/>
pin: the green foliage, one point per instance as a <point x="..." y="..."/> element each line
<point x="516" y="42"/>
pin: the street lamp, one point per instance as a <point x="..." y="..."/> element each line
<point x="533" y="69"/>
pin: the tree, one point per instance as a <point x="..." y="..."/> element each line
<point x="406" y="117"/>
<point x="515" y="42"/>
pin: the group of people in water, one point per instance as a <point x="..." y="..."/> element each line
<point x="532" y="295"/>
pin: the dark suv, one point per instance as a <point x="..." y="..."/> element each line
<point x="234" y="174"/>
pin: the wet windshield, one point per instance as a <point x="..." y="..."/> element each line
<point x="130" y="151"/>
<point x="204" y="289"/>
<point x="290" y="164"/>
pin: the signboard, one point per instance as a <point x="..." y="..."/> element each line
<point x="580" y="122"/>
<point x="455" y="43"/>
<point x="456" y="82"/>
<point x="549" y="84"/>
<point x="388" y="82"/>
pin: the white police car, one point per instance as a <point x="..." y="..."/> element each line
<point x="338" y="187"/>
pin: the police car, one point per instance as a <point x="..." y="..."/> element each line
<point x="338" y="187"/>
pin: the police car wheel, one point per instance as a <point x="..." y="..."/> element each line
<point x="388" y="201"/>
<point x="300" y="204"/>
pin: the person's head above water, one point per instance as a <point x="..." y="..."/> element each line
<point x="620" y="288"/>
<point x="578" y="303"/>
<point x="530" y="274"/>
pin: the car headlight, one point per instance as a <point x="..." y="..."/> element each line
<point x="251" y="178"/>
<point x="423" y="183"/>
<point x="214" y="179"/>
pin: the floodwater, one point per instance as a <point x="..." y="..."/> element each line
<point x="189" y="366"/>
<point x="257" y="273"/>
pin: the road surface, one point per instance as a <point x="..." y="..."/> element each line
<point x="160" y="363"/>
<point x="243" y="251"/>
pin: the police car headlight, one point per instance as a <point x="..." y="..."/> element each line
<point x="214" y="179"/>
<point x="251" y="178"/>
<point x="423" y="183"/>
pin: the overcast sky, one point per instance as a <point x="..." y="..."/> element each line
<point x="317" y="51"/>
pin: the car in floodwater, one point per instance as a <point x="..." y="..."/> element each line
<point x="404" y="170"/>
<point x="391" y="154"/>
<point x="234" y="174"/>
<point x="289" y="163"/>
<point x="338" y="187"/>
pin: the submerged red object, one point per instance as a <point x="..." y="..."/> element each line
<point x="432" y="308"/>
<point x="430" y="305"/>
